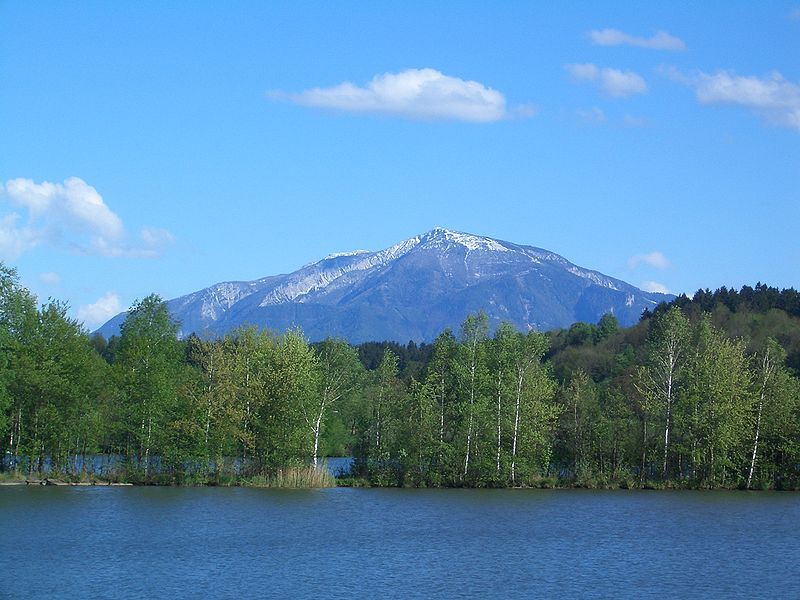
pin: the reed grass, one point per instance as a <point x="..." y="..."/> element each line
<point x="307" y="477"/>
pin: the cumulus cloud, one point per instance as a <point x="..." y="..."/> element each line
<point x="15" y="239"/>
<point x="654" y="286"/>
<point x="50" y="278"/>
<point x="95" y="314"/>
<point x="71" y="214"/>
<point x="653" y="259"/>
<point x="424" y="94"/>
<point x="611" y="82"/>
<point x="661" y="40"/>
<point x="772" y="97"/>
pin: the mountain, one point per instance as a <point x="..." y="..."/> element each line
<point x="412" y="291"/>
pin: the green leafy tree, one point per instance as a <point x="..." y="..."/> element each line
<point x="502" y="362"/>
<point x="718" y="405"/>
<point x="340" y="373"/>
<point x="473" y="374"/>
<point x="415" y="436"/>
<point x="659" y="379"/>
<point x="217" y="416"/>
<point x="767" y="364"/>
<point x="533" y="389"/>
<point x="290" y="381"/>
<point x="441" y="381"/>
<point x="149" y="366"/>
<point x="386" y="384"/>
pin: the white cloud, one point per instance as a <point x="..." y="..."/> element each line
<point x="94" y="315"/>
<point x="653" y="259"/>
<point x="424" y="94"/>
<point x="611" y="82"/>
<point x="591" y="116"/>
<point x="634" y="121"/>
<point x="15" y="240"/>
<point x="155" y="238"/>
<point x="71" y="214"/>
<point x="773" y="98"/>
<point x="50" y="278"/>
<point x="661" y="40"/>
<point x="654" y="286"/>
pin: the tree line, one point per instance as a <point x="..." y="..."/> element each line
<point x="687" y="397"/>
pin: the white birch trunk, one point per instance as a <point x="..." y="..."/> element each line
<point x="767" y="368"/>
<point x="520" y="376"/>
<point x="147" y="447"/>
<point x="499" y="378"/>
<point x="441" y="418"/>
<point x="669" y="418"/>
<point x="316" y="429"/>
<point x="471" y="416"/>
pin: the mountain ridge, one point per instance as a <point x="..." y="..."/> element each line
<point x="413" y="290"/>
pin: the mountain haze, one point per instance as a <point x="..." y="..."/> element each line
<point x="412" y="291"/>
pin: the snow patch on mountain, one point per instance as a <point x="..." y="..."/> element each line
<point x="219" y="298"/>
<point x="594" y="277"/>
<point x="345" y="254"/>
<point x="442" y="238"/>
<point x="319" y="276"/>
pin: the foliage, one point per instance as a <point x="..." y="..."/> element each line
<point x="702" y="392"/>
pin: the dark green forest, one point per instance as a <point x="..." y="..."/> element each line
<point x="702" y="393"/>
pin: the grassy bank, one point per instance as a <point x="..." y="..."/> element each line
<point x="310" y="477"/>
<point x="306" y="477"/>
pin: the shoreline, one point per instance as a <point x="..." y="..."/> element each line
<point x="60" y="483"/>
<point x="45" y="482"/>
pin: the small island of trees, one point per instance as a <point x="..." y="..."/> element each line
<point x="701" y="393"/>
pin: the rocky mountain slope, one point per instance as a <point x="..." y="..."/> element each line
<point x="412" y="291"/>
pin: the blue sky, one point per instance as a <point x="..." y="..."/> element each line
<point x="163" y="147"/>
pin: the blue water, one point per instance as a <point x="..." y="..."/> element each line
<point x="102" y="542"/>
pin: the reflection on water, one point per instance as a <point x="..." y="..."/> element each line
<point x="232" y="542"/>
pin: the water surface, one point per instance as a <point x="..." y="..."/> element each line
<point x="139" y="542"/>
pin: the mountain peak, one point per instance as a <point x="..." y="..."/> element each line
<point x="346" y="254"/>
<point x="413" y="290"/>
<point x="439" y="238"/>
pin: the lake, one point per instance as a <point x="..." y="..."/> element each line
<point x="140" y="542"/>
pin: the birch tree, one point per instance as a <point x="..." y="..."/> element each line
<point x="770" y="377"/>
<point x="339" y="373"/>
<point x="527" y="357"/>
<point x="504" y="349"/>
<point x="251" y="351"/>
<point x="474" y="333"/>
<point x="658" y="380"/>
<point x="538" y="416"/>
<point x="385" y="383"/>
<point x="18" y="322"/>
<point x="442" y="381"/>
<point x="148" y="365"/>
<point x="290" y="383"/>
<point x="720" y="402"/>
<point x="219" y="416"/>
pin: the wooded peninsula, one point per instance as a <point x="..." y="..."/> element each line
<point x="703" y="392"/>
